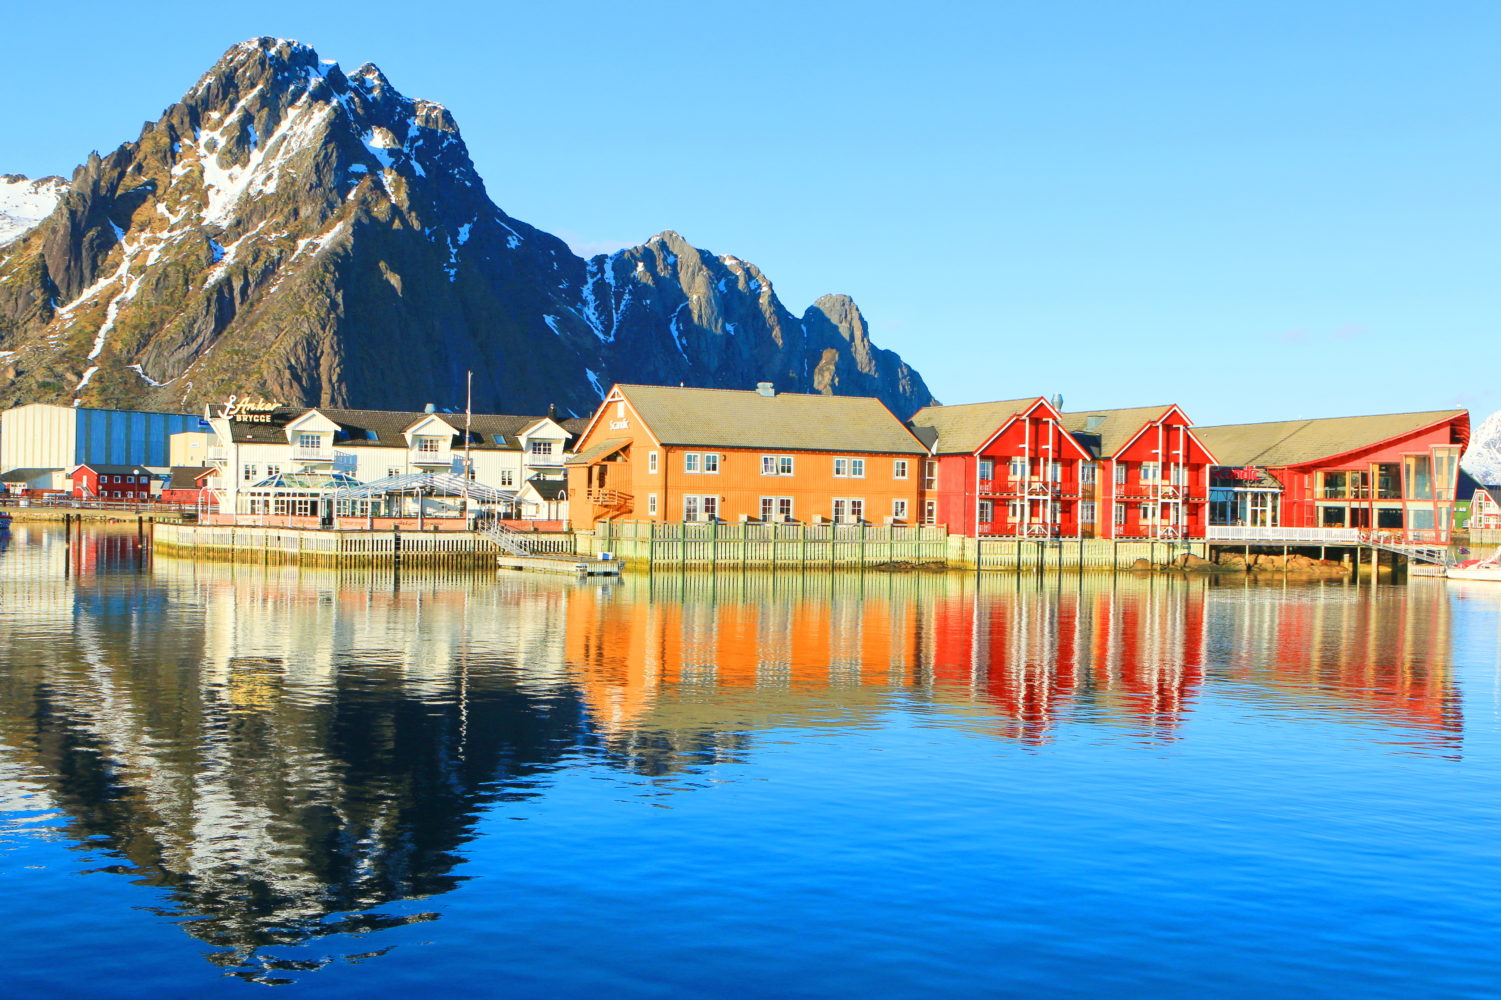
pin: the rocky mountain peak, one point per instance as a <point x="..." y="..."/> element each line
<point x="289" y="231"/>
<point x="1482" y="459"/>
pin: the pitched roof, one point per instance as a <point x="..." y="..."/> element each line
<point x="593" y="454"/>
<point x="1296" y="442"/>
<point x="383" y="428"/>
<point x="185" y="477"/>
<point x="547" y="489"/>
<point x="113" y="470"/>
<point x="786" y="421"/>
<point x="1105" y="432"/>
<point x="26" y="475"/>
<point x="963" y="428"/>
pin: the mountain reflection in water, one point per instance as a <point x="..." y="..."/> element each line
<point x="299" y="756"/>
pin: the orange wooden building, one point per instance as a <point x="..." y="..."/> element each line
<point x="663" y="453"/>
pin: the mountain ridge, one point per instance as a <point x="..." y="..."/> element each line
<point x="290" y="231"/>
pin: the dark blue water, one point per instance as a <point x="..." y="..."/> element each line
<point x="219" y="779"/>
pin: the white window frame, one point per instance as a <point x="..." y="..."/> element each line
<point x="930" y="476"/>
<point x="1089" y="473"/>
<point x="900" y="468"/>
<point x="429" y="445"/>
<point x="930" y="512"/>
<point x="987" y="468"/>
<point x="1118" y="514"/>
<point x="1015" y="510"/>
<point x="899" y="509"/>
<point x="711" y="463"/>
<point x="542" y="448"/>
<point x="1088" y="512"/>
<point x="776" y="465"/>
<point x="849" y="510"/>
<point x="507" y="477"/>
<point x="1147" y="513"/>
<point x="849" y="468"/>
<point x="1120" y="476"/>
<point x="651" y="462"/>
<point x="1016" y="467"/>
<point x="1151" y="472"/>
<point x="987" y="512"/>
<point x="651" y="504"/>
<point x="309" y="441"/>
<point x="1055" y="471"/>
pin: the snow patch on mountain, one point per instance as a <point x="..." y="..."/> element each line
<point x="1482" y="459"/>
<point x="25" y="202"/>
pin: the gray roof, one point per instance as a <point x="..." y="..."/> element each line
<point x="26" y="475"/>
<point x="547" y="489"/>
<point x="963" y="428"/>
<point x="1105" y="432"/>
<point x="114" y="470"/>
<point x="185" y="477"/>
<point x="734" y="418"/>
<point x="383" y="428"/>
<point x="1296" y="442"/>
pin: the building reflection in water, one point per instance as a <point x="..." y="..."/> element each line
<point x="298" y="755"/>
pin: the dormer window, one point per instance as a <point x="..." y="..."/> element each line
<point x="429" y="445"/>
<point x="542" y="447"/>
<point x="309" y="442"/>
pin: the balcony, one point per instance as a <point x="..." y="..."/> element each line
<point x="313" y="455"/>
<point x="1280" y="535"/>
<point x="217" y="456"/>
<point x="430" y="458"/>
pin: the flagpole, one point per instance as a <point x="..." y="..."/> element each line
<point x="468" y="419"/>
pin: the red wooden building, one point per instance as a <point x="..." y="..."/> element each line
<point x="129" y="483"/>
<point x="1021" y="468"/>
<point x="1394" y="473"/>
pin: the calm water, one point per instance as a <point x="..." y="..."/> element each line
<point x="215" y="778"/>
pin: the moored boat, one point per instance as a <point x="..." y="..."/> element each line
<point x="1478" y="569"/>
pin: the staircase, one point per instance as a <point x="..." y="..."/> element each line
<point x="1438" y="555"/>
<point x="508" y="540"/>
<point x="613" y="502"/>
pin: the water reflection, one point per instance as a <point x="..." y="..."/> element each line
<point x="294" y="757"/>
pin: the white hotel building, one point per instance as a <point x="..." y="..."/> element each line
<point x="507" y="453"/>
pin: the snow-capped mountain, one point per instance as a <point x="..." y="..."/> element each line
<point x="1482" y="459"/>
<point x="25" y="202"/>
<point x="291" y="231"/>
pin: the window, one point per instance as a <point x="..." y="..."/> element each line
<point x="1150" y="472"/>
<point x="930" y="512"/>
<point x="651" y="504"/>
<point x="899" y="510"/>
<point x="849" y="468"/>
<point x="1180" y="475"/>
<point x="429" y="445"/>
<point x="1120" y="478"/>
<point x="1014" y="511"/>
<point x="1055" y="472"/>
<point x="987" y="468"/>
<point x="1087" y="512"/>
<point x="273" y="470"/>
<point x="507" y="477"/>
<point x="930" y="475"/>
<point x="987" y="512"/>
<point x="700" y="462"/>
<point x="700" y="508"/>
<point x="542" y="447"/>
<point x="899" y="469"/>
<point x="690" y="461"/>
<point x="393" y="471"/>
<point x="691" y="508"/>
<point x="711" y="462"/>
<point x="309" y="442"/>
<point x="1017" y="467"/>
<point x="849" y="510"/>
<point x="776" y="465"/>
<point x="776" y="508"/>
<point x="1119" y="516"/>
<point x="1148" y="512"/>
<point x="248" y="473"/>
<point x="651" y="462"/>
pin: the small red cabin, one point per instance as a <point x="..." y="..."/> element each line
<point x="188" y="485"/>
<point x="126" y="483"/>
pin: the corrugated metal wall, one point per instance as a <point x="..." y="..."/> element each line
<point x="126" y="437"/>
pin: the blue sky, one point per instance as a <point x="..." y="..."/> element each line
<point x="1259" y="210"/>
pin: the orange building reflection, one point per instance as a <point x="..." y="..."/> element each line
<point x="1019" y="657"/>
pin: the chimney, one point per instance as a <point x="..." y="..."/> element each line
<point x="552" y="411"/>
<point x="766" y="389"/>
<point x="430" y="408"/>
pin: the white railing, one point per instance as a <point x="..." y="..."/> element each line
<point x="217" y="456"/>
<point x="1243" y="533"/>
<point x="430" y="457"/>
<point x="311" y="455"/>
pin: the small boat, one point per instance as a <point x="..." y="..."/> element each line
<point x="1478" y="569"/>
<point x="4" y="520"/>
